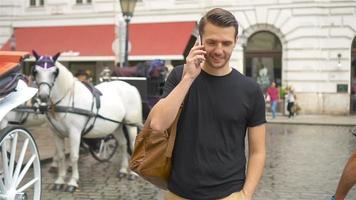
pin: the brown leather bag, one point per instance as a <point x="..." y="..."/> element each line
<point x="151" y="158"/>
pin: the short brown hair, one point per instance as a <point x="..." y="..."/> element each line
<point x="219" y="17"/>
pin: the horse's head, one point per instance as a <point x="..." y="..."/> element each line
<point x="45" y="73"/>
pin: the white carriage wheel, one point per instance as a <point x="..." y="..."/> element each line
<point x="20" y="175"/>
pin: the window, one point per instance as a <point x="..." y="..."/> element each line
<point x="263" y="41"/>
<point x="36" y="3"/>
<point x="263" y="59"/>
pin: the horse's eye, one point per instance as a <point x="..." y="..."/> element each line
<point x="34" y="71"/>
<point x="56" y="72"/>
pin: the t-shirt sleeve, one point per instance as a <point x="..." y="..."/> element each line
<point x="257" y="115"/>
<point x="172" y="81"/>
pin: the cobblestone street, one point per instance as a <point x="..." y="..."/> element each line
<point x="303" y="162"/>
<point x="98" y="181"/>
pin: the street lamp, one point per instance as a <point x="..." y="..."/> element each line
<point x="339" y="55"/>
<point x="127" y="8"/>
<point x="13" y="42"/>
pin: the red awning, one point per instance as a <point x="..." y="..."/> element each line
<point x="160" y="38"/>
<point x="50" y="40"/>
<point x="147" y="39"/>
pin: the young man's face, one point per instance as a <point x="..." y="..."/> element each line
<point x="219" y="43"/>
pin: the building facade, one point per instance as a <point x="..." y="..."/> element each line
<point x="308" y="45"/>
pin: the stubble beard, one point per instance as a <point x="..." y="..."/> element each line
<point x="218" y="65"/>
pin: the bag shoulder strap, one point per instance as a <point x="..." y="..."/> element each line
<point x="172" y="132"/>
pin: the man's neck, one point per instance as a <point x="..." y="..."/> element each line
<point x="217" y="71"/>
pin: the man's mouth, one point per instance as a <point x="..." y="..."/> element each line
<point x="217" y="59"/>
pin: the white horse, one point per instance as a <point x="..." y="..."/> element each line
<point x="120" y="105"/>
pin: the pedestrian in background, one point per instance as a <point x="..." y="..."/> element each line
<point x="290" y="101"/>
<point x="273" y="94"/>
<point x="82" y="76"/>
<point x="105" y="74"/>
<point x="219" y="105"/>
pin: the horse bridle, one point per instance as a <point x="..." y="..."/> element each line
<point x="43" y="82"/>
<point x="50" y="85"/>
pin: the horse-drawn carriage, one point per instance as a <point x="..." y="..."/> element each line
<point x="105" y="119"/>
<point x="20" y="171"/>
<point x="148" y="78"/>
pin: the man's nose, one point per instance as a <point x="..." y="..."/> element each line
<point x="218" y="49"/>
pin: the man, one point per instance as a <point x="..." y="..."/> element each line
<point x="219" y="105"/>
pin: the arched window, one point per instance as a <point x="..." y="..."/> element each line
<point x="263" y="58"/>
<point x="353" y="78"/>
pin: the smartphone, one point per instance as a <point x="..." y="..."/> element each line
<point x="199" y="43"/>
<point x="199" y="40"/>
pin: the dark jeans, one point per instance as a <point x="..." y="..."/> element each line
<point x="290" y="109"/>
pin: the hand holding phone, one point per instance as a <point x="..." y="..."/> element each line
<point x="195" y="60"/>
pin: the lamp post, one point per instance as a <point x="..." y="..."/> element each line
<point x="127" y="8"/>
<point x="339" y="55"/>
<point x="13" y="42"/>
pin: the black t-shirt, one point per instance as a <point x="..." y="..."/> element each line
<point x="209" y="153"/>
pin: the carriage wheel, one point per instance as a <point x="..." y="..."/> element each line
<point x="20" y="170"/>
<point x="105" y="149"/>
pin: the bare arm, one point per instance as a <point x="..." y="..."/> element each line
<point x="256" y="159"/>
<point x="348" y="178"/>
<point x="164" y="112"/>
<point x="166" y="109"/>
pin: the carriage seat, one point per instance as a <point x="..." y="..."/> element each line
<point x="10" y="70"/>
<point x="9" y="77"/>
<point x="127" y="71"/>
<point x="95" y="92"/>
<point x="150" y="69"/>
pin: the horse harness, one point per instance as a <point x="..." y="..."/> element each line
<point x="89" y="114"/>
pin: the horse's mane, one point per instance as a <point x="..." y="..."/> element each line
<point x="65" y="78"/>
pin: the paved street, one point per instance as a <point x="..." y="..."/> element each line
<point x="303" y="162"/>
<point x="98" y="181"/>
